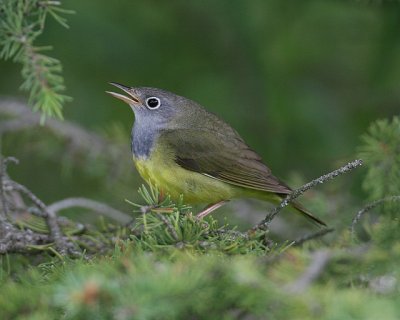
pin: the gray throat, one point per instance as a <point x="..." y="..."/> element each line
<point x="143" y="138"/>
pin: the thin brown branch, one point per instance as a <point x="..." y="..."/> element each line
<point x="264" y="224"/>
<point x="39" y="71"/>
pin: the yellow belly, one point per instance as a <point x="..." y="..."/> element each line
<point x="160" y="170"/>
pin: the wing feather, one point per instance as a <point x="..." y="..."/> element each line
<point x="223" y="157"/>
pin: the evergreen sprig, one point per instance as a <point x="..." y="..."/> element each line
<point x="381" y="151"/>
<point x="21" y="23"/>
<point x="166" y="225"/>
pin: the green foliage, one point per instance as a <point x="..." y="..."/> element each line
<point x="146" y="287"/>
<point x="135" y="284"/>
<point x="21" y="23"/>
<point x="177" y="267"/>
<point x="296" y="84"/>
<point x="381" y="152"/>
<point x="167" y="226"/>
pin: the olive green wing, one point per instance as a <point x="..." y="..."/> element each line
<point x="223" y="156"/>
<point x="226" y="157"/>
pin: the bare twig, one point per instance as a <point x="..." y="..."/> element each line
<point x="312" y="236"/>
<point x="92" y="205"/>
<point x="369" y="207"/>
<point x="264" y="224"/>
<point x="320" y="259"/>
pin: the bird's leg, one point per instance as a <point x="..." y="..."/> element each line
<point x="161" y="195"/>
<point x="210" y="208"/>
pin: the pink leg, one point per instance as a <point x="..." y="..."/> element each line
<point x="210" y="208"/>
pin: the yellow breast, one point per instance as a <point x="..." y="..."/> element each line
<point x="160" y="170"/>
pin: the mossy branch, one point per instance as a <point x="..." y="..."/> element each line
<point x="25" y="229"/>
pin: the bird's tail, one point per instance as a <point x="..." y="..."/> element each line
<point x="277" y="198"/>
<point x="307" y="214"/>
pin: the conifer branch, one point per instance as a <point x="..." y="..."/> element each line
<point x="21" y="23"/>
<point x="169" y="226"/>
<point x="264" y="224"/>
<point x="369" y="207"/>
<point x="380" y="150"/>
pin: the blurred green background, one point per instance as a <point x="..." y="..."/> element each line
<point x="299" y="80"/>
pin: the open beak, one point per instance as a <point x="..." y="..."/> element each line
<point x="130" y="99"/>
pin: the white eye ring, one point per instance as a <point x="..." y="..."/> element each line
<point x="153" y="103"/>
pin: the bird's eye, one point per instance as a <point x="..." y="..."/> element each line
<point x="153" y="103"/>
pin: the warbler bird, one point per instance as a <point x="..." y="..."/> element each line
<point x="183" y="149"/>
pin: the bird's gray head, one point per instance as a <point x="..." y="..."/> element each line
<point x="155" y="110"/>
<point x="155" y="107"/>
